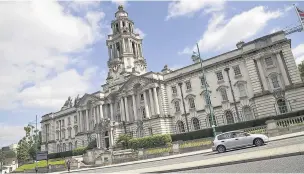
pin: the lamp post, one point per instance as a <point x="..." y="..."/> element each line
<point x="206" y="90"/>
<point x="232" y="92"/>
<point x="186" y="117"/>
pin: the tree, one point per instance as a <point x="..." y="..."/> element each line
<point x="301" y="69"/>
<point x="23" y="150"/>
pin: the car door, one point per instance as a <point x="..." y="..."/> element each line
<point x="227" y="140"/>
<point x="241" y="139"/>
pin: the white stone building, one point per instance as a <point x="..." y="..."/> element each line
<point x="264" y="81"/>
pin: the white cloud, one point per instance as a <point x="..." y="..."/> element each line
<point x="186" y="7"/>
<point x="10" y="134"/>
<point x="224" y="34"/>
<point x="287" y="8"/>
<point x="276" y="29"/>
<point x="140" y="32"/>
<point x="37" y="41"/>
<point x="120" y="2"/>
<point x="298" y="53"/>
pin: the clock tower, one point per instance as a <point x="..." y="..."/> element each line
<point x="125" y="48"/>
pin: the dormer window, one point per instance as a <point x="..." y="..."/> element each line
<point x="219" y="76"/>
<point x="174" y="90"/>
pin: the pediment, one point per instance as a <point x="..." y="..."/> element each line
<point x="136" y="82"/>
<point x="86" y="99"/>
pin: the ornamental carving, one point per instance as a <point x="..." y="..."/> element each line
<point x="278" y="93"/>
<point x="103" y="126"/>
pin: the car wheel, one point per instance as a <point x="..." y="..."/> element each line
<point x="258" y="142"/>
<point x="221" y="149"/>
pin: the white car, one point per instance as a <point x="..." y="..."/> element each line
<point x="236" y="139"/>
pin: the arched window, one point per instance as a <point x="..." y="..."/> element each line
<point x="143" y="112"/>
<point x="247" y="113"/>
<point x="282" y="106"/>
<point x="229" y="117"/>
<point x="180" y="127"/>
<point x="209" y="121"/>
<point x="195" y="123"/>
<point x="64" y="147"/>
<point x="70" y="146"/>
<point x="275" y="81"/>
<point x="191" y="103"/>
<point x="140" y="132"/>
<point x="76" y="130"/>
<point x="224" y="94"/>
<point x="58" y="148"/>
<point x="177" y="107"/>
<point x="242" y="90"/>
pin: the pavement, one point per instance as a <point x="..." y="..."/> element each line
<point x="292" y="164"/>
<point x="279" y="141"/>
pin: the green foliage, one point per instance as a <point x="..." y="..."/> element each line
<point x="124" y="139"/>
<point x="9" y="154"/>
<point x="196" y="143"/>
<point x="301" y="69"/>
<point x="40" y="164"/>
<point x="79" y="151"/>
<point x="154" y="151"/>
<point x="23" y="150"/>
<point x="150" y="142"/>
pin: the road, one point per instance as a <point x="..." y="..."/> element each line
<point x="293" y="164"/>
<point x="279" y="143"/>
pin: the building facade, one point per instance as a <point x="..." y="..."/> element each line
<point x="257" y="79"/>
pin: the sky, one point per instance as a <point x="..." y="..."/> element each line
<point x="50" y="50"/>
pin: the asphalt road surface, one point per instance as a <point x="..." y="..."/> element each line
<point x="279" y="143"/>
<point x="293" y="164"/>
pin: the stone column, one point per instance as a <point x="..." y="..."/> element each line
<point x="109" y="52"/>
<point x="123" y="45"/>
<point x="111" y="110"/>
<point x="122" y="110"/>
<point x="80" y="122"/>
<point x="111" y="137"/>
<point x="97" y="140"/>
<point x="134" y="107"/>
<point x="88" y="118"/>
<point x="100" y="112"/>
<point x="151" y="102"/>
<point x="127" y="109"/>
<point x="281" y="65"/>
<point x="261" y="71"/>
<point x="113" y="51"/>
<point x="156" y="101"/>
<point x="146" y="105"/>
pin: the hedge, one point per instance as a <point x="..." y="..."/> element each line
<point x="150" y="142"/>
<point x="75" y="152"/>
<point x="206" y="133"/>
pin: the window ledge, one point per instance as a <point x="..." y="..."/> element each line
<point x="220" y="81"/>
<point x="225" y="101"/>
<point x="189" y="90"/>
<point x="270" y="67"/>
<point x="238" y="76"/>
<point x="243" y="97"/>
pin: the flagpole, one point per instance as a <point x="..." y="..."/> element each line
<point x="296" y="9"/>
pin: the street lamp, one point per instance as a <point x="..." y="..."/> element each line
<point x="206" y="89"/>
<point x="232" y="92"/>
<point x="186" y="116"/>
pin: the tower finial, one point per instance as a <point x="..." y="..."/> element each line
<point x="120" y="7"/>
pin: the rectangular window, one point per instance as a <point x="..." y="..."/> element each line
<point x="242" y="90"/>
<point x="57" y="124"/>
<point x="62" y="123"/>
<point x="174" y="90"/>
<point x="176" y="105"/>
<point x="224" y="94"/>
<point x="191" y="103"/>
<point x="75" y="119"/>
<point x="269" y="61"/>
<point x="70" y="133"/>
<point x="219" y="75"/>
<point x="69" y="120"/>
<point x="188" y="85"/>
<point x="275" y="82"/>
<point x="237" y="70"/>
<point x="203" y="81"/>
<point x="76" y="130"/>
